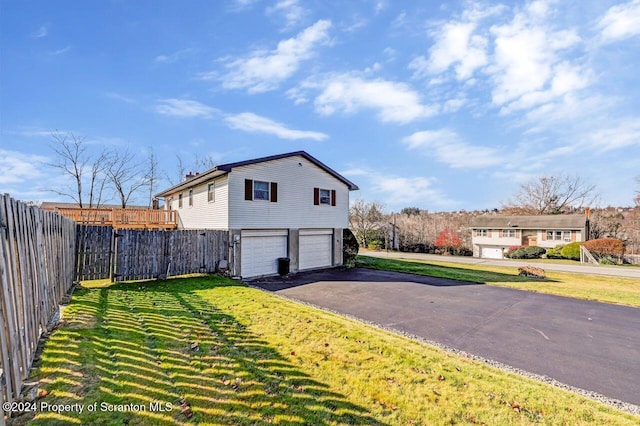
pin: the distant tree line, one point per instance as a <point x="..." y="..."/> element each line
<point x="419" y="230"/>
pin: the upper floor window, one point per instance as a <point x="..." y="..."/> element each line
<point x="170" y="203"/>
<point x="326" y="197"/>
<point x="508" y="233"/>
<point x="482" y="233"/>
<point x="179" y="201"/>
<point x="260" y="190"/>
<point x="190" y="197"/>
<point x="211" y="192"/>
<point x="559" y="235"/>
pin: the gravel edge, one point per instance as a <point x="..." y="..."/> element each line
<point x="615" y="403"/>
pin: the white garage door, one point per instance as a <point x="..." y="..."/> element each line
<point x="260" y="252"/>
<point x="491" y="252"/>
<point x="315" y="248"/>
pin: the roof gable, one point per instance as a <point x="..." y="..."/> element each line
<point x="227" y="168"/>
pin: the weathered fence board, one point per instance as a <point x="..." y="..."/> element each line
<point x="94" y="247"/>
<point x="37" y="254"/>
<point x="149" y="254"/>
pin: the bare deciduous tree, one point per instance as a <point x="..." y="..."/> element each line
<point x="98" y="181"/>
<point x="554" y="194"/>
<point x="204" y="163"/>
<point x="364" y="218"/>
<point x="152" y="175"/>
<point x="86" y="172"/>
<point x="125" y="176"/>
<point x="71" y="159"/>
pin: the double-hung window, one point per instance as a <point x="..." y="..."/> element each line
<point x="260" y="190"/>
<point x="559" y="235"/>
<point x="211" y="192"/>
<point x="508" y="233"/>
<point x="324" y="197"/>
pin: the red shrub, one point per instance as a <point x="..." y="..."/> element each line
<point x="605" y="246"/>
<point x="448" y="239"/>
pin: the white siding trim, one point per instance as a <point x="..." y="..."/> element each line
<point x="316" y="232"/>
<point x="265" y="233"/>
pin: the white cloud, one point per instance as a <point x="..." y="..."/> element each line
<point x="60" y="51"/>
<point x="620" y="22"/>
<point x="447" y="147"/>
<point x="455" y="44"/>
<point x="400" y="191"/>
<point x="291" y="10"/>
<point x="625" y="134"/>
<point x="120" y="97"/>
<point x="394" y="101"/>
<point x="174" y="57"/>
<point x="564" y="78"/>
<point x="242" y="5"/>
<point x="17" y="167"/>
<point x="408" y="190"/>
<point x="250" y="122"/>
<point x="527" y="59"/>
<point x="265" y="70"/>
<point x="184" y="108"/>
<point x="43" y="31"/>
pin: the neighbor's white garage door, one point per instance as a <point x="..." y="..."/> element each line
<point x="491" y="252"/>
<point x="260" y="252"/>
<point x="315" y="248"/>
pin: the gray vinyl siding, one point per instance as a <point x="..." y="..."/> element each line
<point x="296" y="178"/>
<point x="204" y="214"/>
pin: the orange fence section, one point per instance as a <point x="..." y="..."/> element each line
<point x="123" y="218"/>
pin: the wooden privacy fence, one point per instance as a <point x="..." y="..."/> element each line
<point x="134" y="254"/>
<point x="37" y="256"/>
<point x="94" y="251"/>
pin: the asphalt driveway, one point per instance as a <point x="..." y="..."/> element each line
<point x="590" y="345"/>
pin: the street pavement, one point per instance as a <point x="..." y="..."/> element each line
<point x="585" y="344"/>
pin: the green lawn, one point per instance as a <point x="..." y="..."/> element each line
<point x="624" y="291"/>
<point x="237" y="355"/>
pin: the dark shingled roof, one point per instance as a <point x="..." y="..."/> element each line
<point x="560" y="221"/>
<point x="226" y="168"/>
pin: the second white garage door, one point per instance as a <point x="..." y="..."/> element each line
<point x="491" y="252"/>
<point x="316" y="248"/>
<point x="260" y="252"/>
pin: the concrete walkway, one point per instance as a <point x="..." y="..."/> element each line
<point x="615" y="271"/>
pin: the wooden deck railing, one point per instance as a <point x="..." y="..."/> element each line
<point x="123" y="218"/>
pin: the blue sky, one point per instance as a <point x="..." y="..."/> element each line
<point x="439" y="105"/>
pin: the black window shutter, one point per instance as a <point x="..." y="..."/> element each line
<point x="333" y="197"/>
<point x="316" y="196"/>
<point x="274" y="192"/>
<point x="248" y="189"/>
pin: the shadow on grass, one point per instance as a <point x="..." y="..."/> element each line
<point x="137" y="348"/>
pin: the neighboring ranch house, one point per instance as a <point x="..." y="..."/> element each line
<point x="288" y="205"/>
<point x="493" y="235"/>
